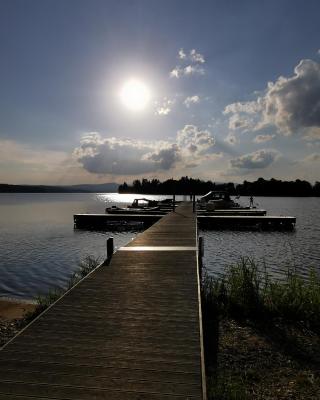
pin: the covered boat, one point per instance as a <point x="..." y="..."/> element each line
<point x="216" y="200"/>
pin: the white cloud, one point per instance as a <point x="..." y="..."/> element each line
<point x="263" y="138"/>
<point x="257" y="160"/>
<point x="196" y="57"/>
<point x="291" y="104"/>
<point x="194" y="61"/>
<point x="177" y="72"/>
<point x="182" y="55"/>
<point x="132" y="157"/>
<point x="191" y="100"/>
<point x="195" y="140"/>
<point x="189" y="70"/>
<point x="249" y="107"/>
<point x="193" y="70"/>
<point x="192" y="56"/>
<point x="165" y="107"/>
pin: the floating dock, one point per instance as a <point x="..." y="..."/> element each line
<point x="265" y="222"/>
<point x="232" y="212"/>
<point x="213" y="220"/>
<point x="129" y="331"/>
<point x="100" y="221"/>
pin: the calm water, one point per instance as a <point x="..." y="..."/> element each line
<point x="39" y="249"/>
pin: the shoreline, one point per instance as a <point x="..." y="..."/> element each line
<point x="12" y="314"/>
<point x="12" y="309"/>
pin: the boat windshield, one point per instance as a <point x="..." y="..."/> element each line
<point x="215" y="196"/>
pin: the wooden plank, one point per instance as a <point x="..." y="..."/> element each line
<point x="130" y="330"/>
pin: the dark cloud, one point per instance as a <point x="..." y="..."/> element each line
<point x="128" y="157"/>
<point x="122" y="157"/>
<point x="165" y="158"/>
<point x="256" y="160"/>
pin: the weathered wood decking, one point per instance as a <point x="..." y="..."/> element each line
<point x="130" y="330"/>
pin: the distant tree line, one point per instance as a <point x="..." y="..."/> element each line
<point x="6" y="188"/>
<point x="186" y="186"/>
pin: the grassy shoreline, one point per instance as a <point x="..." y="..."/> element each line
<point x="261" y="336"/>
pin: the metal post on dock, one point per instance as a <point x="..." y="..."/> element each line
<point x="194" y="203"/>
<point x="174" y="203"/>
<point x="110" y="248"/>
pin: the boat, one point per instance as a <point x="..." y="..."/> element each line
<point x="143" y="206"/>
<point x="217" y="200"/>
<point x="143" y="203"/>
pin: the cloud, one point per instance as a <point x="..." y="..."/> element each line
<point x="196" y="57"/>
<point x="177" y="72"/>
<point x="315" y="157"/>
<point x="165" y="107"/>
<point x="240" y="122"/>
<point x="263" y="138"/>
<point x="193" y="70"/>
<point x="191" y="64"/>
<point x="291" y="104"/>
<point x="249" y="107"/>
<point x="231" y="139"/>
<point x="182" y="55"/>
<point x="189" y="70"/>
<point x="256" y="160"/>
<point x="195" y="140"/>
<point x="312" y="134"/>
<point x="192" y="56"/>
<point x="165" y="157"/>
<point x="191" y="100"/>
<point x="123" y="156"/>
<point x="115" y="156"/>
<point x="20" y="163"/>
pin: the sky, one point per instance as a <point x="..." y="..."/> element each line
<point x="96" y="91"/>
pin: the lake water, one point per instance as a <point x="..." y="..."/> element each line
<point x="39" y="248"/>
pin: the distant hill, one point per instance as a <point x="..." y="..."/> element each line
<point x="85" y="188"/>
<point x="97" y="188"/>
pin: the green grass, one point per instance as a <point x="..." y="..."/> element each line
<point x="249" y="295"/>
<point x="246" y="292"/>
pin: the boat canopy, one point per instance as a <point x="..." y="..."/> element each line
<point x="215" y="195"/>
<point x="143" y="202"/>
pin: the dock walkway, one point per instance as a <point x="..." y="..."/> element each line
<point x="130" y="330"/>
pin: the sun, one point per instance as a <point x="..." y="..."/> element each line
<point x="135" y="95"/>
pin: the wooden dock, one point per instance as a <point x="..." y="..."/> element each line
<point x="130" y="330"/>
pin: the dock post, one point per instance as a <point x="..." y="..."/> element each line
<point x="200" y="255"/>
<point x="110" y="248"/>
<point x="174" y="203"/>
<point x="194" y="203"/>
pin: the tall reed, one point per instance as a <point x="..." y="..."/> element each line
<point x="244" y="291"/>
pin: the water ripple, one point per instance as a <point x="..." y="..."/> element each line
<point x="40" y="249"/>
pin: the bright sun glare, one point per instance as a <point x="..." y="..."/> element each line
<point x="135" y="95"/>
